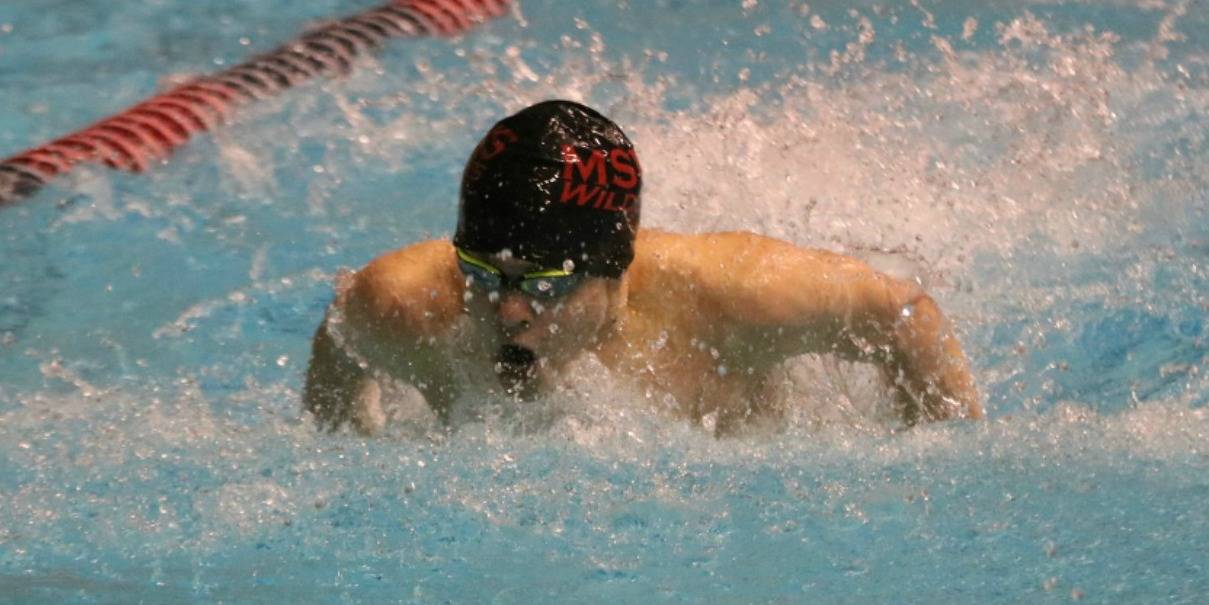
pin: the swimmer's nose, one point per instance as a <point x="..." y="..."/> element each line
<point x="514" y="311"/>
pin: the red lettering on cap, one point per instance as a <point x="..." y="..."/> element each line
<point x="496" y="142"/>
<point x="595" y="181"/>
<point x="605" y="200"/>
<point x="625" y="168"/>
<point x="580" y="193"/>
<point x="572" y="164"/>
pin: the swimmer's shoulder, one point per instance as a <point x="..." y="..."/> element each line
<point x="416" y="288"/>
<point x="685" y="267"/>
<point x="705" y="254"/>
<point x="741" y="275"/>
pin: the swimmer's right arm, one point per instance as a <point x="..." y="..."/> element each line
<point x="391" y="308"/>
<point x="337" y="389"/>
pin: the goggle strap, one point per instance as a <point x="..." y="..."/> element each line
<point x="484" y="265"/>
<point x="470" y="260"/>
<point x="547" y="273"/>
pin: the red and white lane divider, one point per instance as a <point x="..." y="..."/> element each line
<point x="147" y="133"/>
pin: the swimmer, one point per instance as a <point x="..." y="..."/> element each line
<point x="548" y="264"/>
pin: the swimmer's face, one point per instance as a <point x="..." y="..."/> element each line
<point x="554" y="328"/>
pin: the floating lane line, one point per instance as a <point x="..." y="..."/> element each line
<point x="140" y="136"/>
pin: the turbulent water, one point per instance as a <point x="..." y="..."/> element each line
<point x="1041" y="165"/>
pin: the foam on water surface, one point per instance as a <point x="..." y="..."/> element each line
<point x="1040" y="167"/>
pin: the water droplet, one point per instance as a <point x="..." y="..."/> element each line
<point x="660" y="342"/>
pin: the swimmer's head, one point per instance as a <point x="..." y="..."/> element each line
<point x="556" y="182"/>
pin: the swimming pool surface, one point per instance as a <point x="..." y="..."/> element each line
<point x="1045" y="162"/>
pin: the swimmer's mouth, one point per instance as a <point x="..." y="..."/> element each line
<point x="516" y="367"/>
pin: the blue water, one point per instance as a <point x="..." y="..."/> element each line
<point x="1043" y="163"/>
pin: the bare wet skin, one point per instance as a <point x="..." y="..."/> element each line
<point x="698" y="319"/>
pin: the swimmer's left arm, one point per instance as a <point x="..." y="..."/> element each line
<point x="814" y="301"/>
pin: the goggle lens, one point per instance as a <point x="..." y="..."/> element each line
<point x="480" y="277"/>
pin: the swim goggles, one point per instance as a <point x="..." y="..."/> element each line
<point x="543" y="283"/>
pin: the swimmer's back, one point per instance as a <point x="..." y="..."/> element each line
<point x="753" y="279"/>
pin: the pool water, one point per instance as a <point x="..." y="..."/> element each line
<point x="1042" y="163"/>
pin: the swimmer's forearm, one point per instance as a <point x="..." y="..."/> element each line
<point x="332" y="381"/>
<point x="935" y="369"/>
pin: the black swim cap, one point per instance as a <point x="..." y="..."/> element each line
<point x="555" y="182"/>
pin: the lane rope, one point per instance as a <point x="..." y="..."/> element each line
<point x="147" y="133"/>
